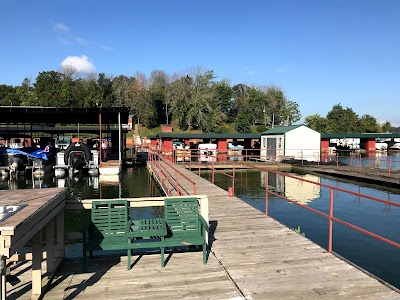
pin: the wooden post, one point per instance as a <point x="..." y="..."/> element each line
<point x="60" y="234"/>
<point x="3" y="290"/>
<point x="36" y="264"/>
<point x="213" y="174"/>
<point x="50" y="247"/>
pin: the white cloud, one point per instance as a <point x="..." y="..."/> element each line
<point x="81" y="64"/>
<point x="61" y="27"/>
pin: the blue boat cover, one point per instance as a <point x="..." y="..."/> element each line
<point x="40" y="153"/>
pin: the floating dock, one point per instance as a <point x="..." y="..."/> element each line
<point x="251" y="256"/>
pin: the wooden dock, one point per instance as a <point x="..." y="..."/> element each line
<point x="370" y="175"/>
<point x="252" y="256"/>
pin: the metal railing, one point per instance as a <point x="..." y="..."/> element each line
<point x="331" y="218"/>
<point x="385" y="164"/>
<point x="167" y="179"/>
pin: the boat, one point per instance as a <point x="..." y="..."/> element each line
<point x="182" y="151"/>
<point x="381" y="146"/>
<point x="232" y="146"/>
<point x="395" y="147"/>
<point x="208" y="152"/>
<point x="77" y="157"/>
<point x="37" y="160"/>
<point x="235" y="151"/>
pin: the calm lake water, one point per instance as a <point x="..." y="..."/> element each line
<point x="375" y="256"/>
<point x="379" y="160"/>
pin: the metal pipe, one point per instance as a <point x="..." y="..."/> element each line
<point x="330" y="220"/>
<point x="119" y="138"/>
<point x="100" y="141"/>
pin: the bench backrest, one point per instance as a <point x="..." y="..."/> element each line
<point x="110" y="217"/>
<point x="182" y="214"/>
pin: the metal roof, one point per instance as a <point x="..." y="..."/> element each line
<point x="280" y="129"/>
<point x="359" y="135"/>
<point x="209" y="135"/>
<point x="56" y="115"/>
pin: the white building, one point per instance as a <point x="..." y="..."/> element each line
<point x="293" y="141"/>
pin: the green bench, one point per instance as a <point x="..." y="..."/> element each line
<point x="111" y="229"/>
<point x="185" y="226"/>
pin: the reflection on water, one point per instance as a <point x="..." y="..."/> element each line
<point x="380" y="160"/>
<point x="379" y="218"/>
<point x="292" y="188"/>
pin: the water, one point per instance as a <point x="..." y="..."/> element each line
<point x="384" y="160"/>
<point x="374" y="256"/>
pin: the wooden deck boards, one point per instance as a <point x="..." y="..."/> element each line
<point x="252" y="257"/>
<point x="267" y="260"/>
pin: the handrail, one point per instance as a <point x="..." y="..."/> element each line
<point x="154" y="157"/>
<point x="330" y="217"/>
<point x="331" y="200"/>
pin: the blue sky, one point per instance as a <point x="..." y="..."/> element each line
<point x="320" y="52"/>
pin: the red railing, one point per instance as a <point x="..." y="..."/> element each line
<point x="164" y="174"/>
<point x="329" y="216"/>
<point x="354" y="159"/>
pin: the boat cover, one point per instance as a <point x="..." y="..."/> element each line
<point x="40" y="153"/>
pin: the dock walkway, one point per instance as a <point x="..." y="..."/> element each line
<point x="252" y="256"/>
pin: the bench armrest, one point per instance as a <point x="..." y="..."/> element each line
<point x="203" y="223"/>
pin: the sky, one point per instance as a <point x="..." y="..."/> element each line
<point x="320" y="52"/>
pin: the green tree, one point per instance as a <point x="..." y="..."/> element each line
<point x="342" y="120"/>
<point x="368" y="123"/>
<point x="276" y="103"/>
<point x="158" y="92"/>
<point x="223" y="94"/>
<point x="8" y="95"/>
<point x="141" y="105"/>
<point x="179" y="95"/>
<point x="89" y="92"/>
<point x="48" y="87"/>
<point x="105" y="84"/>
<point x="26" y="94"/>
<point x="317" y="123"/>
<point x="387" y="127"/>
<point x="200" y="100"/>
<point x="120" y="90"/>
<point x="290" y="112"/>
<point x="240" y="101"/>
<point x="242" y="124"/>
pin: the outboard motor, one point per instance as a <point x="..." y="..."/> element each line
<point x="77" y="160"/>
<point x="77" y="156"/>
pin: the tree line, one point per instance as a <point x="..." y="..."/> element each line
<point x="192" y="100"/>
<point x="345" y="120"/>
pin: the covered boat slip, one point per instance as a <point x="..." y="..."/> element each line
<point x="33" y="126"/>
